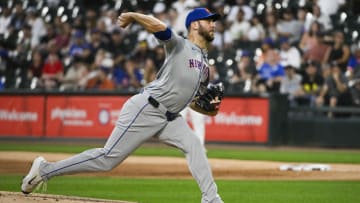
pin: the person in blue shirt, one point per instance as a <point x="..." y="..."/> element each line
<point x="269" y="77"/>
<point x="79" y="48"/>
<point x="353" y="65"/>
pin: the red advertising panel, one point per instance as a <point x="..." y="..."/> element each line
<point x="21" y="115"/>
<point x="240" y="120"/>
<point x="82" y="116"/>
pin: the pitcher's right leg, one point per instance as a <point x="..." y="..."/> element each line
<point x="136" y="124"/>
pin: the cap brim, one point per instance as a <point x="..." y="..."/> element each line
<point x="213" y="17"/>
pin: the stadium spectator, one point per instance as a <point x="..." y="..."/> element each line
<point x="335" y="90"/>
<point x="289" y="55"/>
<point x="240" y="5"/>
<point x="110" y="20"/>
<point x="96" y="42"/>
<point x="23" y="46"/>
<point x="52" y="71"/>
<point x="64" y="37"/>
<point x="330" y="7"/>
<point x="222" y="37"/>
<point x="100" y="80"/>
<point x="128" y="77"/>
<point x="291" y="84"/>
<point x="317" y="15"/>
<point x="75" y="76"/>
<point x="73" y="34"/>
<point x="5" y="20"/>
<point x="301" y="15"/>
<point x="104" y="36"/>
<point x="309" y="38"/>
<point x="270" y="75"/>
<point x="239" y="27"/>
<point x="311" y="84"/>
<point x="339" y="52"/>
<point x="242" y="80"/>
<point x="159" y="10"/>
<point x="269" y="54"/>
<point x="35" y="69"/>
<point x="91" y="18"/>
<point x="117" y="47"/>
<point x="50" y="34"/>
<point x="316" y="52"/>
<point x="353" y="65"/>
<point x="18" y="19"/>
<point x="79" y="47"/>
<point x="256" y="32"/>
<point x="353" y="73"/>
<point x="182" y="8"/>
<point x="271" y="22"/>
<point x="289" y="27"/>
<point x="355" y="90"/>
<point x="38" y="28"/>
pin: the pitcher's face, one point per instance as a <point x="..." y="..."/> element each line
<point x="206" y="29"/>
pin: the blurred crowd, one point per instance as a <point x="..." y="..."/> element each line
<point x="309" y="50"/>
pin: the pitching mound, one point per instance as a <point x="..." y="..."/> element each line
<point x="6" y="197"/>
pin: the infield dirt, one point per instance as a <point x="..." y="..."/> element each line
<point x="174" y="167"/>
<point x="166" y="167"/>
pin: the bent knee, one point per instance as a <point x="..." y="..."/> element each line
<point x="193" y="144"/>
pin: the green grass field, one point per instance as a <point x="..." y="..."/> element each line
<point x="269" y="154"/>
<point x="180" y="191"/>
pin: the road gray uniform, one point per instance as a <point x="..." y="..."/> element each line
<point x="178" y="81"/>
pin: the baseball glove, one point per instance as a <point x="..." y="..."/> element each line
<point x="210" y="101"/>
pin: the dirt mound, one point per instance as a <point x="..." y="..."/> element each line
<point x="6" y="197"/>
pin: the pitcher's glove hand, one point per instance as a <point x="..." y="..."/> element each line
<point x="211" y="100"/>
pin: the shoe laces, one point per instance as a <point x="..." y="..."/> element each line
<point x="42" y="187"/>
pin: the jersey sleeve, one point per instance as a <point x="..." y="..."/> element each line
<point x="168" y="38"/>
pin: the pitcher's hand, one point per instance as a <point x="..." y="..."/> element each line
<point x="125" y="19"/>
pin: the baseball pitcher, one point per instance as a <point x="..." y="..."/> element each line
<point x="154" y="112"/>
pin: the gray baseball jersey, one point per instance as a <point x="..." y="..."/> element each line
<point x="179" y="79"/>
<point x="183" y="73"/>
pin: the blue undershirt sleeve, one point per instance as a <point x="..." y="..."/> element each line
<point x="163" y="35"/>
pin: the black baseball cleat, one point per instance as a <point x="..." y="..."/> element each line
<point x="33" y="178"/>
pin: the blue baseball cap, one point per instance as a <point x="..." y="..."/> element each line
<point x="200" y="14"/>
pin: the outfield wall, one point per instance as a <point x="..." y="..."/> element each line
<point x="61" y="115"/>
<point x="249" y="119"/>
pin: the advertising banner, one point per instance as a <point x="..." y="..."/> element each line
<point x="240" y="120"/>
<point x="22" y="116"/>
<point x="82" y="116"/>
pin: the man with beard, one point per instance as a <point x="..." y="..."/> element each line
<point x="154" y="112"/>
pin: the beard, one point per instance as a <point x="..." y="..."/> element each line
<point x="205" y="34"/>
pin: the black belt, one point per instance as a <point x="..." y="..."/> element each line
<point x="169" y="116"/>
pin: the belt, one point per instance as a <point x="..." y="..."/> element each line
<point x="169" y="116"/>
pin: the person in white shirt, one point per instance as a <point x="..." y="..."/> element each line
<point x="5" y="20"/>
<point x="222" y="37"/>
<point x="241" y="5"/>
<point x="38" y="28"/>
<point x="319" y="16"/>
<point x="289" y="55"/>
<point x="240" y="27"/>
<point x="256" y="31"/>
<point x="330" y="7"/>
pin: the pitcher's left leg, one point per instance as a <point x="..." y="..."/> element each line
<point x="177" y="133"/>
